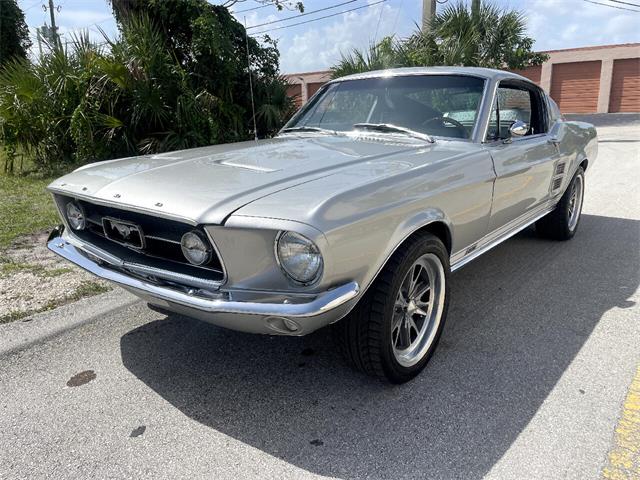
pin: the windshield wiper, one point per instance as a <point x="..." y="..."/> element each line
<point x="388" y="127"/>
<point x="307" y="129"/>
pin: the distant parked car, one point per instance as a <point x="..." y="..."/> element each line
<point x="355" y="213"/>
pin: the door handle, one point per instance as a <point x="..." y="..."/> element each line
<point x="553" y="141"/>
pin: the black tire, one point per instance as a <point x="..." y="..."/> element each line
<point x="559" y="224"/>
<point x="365" y="336"/>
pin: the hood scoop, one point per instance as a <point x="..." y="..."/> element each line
<point x="247" y="165"/>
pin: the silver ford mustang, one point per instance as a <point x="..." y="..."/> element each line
<point x="355" y="213"/>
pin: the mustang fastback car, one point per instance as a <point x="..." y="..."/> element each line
<point x="354" y="214"/>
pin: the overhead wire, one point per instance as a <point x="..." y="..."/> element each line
<point x="302" y="14"/>
<point x="320" y="18"/>
<point x="611" y="6"/>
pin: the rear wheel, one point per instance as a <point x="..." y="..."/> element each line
<point x="396" y="326"/>
<point x="562" y="222"/>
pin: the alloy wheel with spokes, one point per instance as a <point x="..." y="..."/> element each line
<point x="418" y="308"/>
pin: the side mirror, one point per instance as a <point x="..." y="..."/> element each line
<point x="518" y="129"/>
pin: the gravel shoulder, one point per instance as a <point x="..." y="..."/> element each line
<point x="33" y="279"/>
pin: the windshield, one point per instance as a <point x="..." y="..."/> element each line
<point x="436" y="105"/>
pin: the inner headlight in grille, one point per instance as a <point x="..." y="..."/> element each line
<point x="299" y="257"/>
<point x="195" y="248"/>
<point x="75" y="216"/>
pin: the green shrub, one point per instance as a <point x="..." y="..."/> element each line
<point x="89" y="102"/>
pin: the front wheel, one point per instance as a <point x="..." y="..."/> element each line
<point x="562" y="222"/>
<point x="396" y="326"/>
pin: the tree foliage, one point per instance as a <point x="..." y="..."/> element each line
<point x="492" y="37"/>
<point x="14" y="33"/>
<point x="146" y="91"/>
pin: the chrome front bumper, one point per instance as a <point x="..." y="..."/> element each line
<point x="248" y="311"/>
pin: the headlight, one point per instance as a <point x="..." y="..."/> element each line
<point x="195" y="248"/>
<point x="299" y="257"/>
<point x="75" y="216"/>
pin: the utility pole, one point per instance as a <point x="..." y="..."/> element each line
<point x="38" y="35"/>
<point x="475" y="8"/>
<point x="428" y="13"/>
<point x="53" y="30"/>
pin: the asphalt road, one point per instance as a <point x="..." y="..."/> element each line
<point x="541" y="345"/>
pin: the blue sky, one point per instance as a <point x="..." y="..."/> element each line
<point x="555" y="24"/>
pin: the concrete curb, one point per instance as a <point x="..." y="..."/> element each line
<point x="22" y="334"/>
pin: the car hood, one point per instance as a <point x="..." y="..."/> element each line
<point x="205" y="185"/>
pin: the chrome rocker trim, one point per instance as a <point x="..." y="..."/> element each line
<point x="223" y="308"/>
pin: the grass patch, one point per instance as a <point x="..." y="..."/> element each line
<point x="25" y="207"/>
<point x="86" y="289"/>
<point x="9" y="267"/>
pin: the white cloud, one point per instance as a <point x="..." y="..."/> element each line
<point x="321" y="46"/>
<point x="574" y="23"/>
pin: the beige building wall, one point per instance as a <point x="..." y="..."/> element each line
<point x="605" y="54"/>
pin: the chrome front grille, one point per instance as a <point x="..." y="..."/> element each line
<point x="160" y="256"/>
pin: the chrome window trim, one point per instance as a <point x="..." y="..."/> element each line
<point x="479" y="111"/>
<point x="496" y="85"/>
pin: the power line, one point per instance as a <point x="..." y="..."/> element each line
<point x="321" y="18"/>
<point x="251" y="9"/>
<point x="612" y="6"/>
<point x="625" y="3"/>
<point x="375" y="36"/>
<point x="302" y="14"/>
<point x="32" y="6"/>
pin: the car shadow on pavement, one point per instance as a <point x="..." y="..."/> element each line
<point x="519" y="316"/>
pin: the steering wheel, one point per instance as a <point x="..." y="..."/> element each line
<point x="442" y="119"/>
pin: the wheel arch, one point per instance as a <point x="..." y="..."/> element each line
<point x="584" y="163"/>
<point x="434" y="225"/>
<point x="439" y="229"/>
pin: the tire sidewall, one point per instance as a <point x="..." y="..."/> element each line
<point x="567" y="200"/>
<point x="393" y="370"/>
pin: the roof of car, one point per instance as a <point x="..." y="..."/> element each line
<point x="489" y="73"/>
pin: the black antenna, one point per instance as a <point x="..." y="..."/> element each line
<point x="253" y="105"/>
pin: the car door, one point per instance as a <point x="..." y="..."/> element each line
<point x="523" y="165"/>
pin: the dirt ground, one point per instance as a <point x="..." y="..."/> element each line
<point x="33" y="279"/>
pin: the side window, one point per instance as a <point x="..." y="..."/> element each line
<point x="515" y="102"/>
<point x="512" y="104"/>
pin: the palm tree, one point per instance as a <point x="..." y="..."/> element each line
<point x="388" y="53"/>
<point x="488" y="37"/>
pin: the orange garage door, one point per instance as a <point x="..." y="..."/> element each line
<point x="574" y="86"/>
<point x="312" y="88"/>
<point x="532" y="73"/>
<point x="294" y="91"/>
<point x="625" y="86"/>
